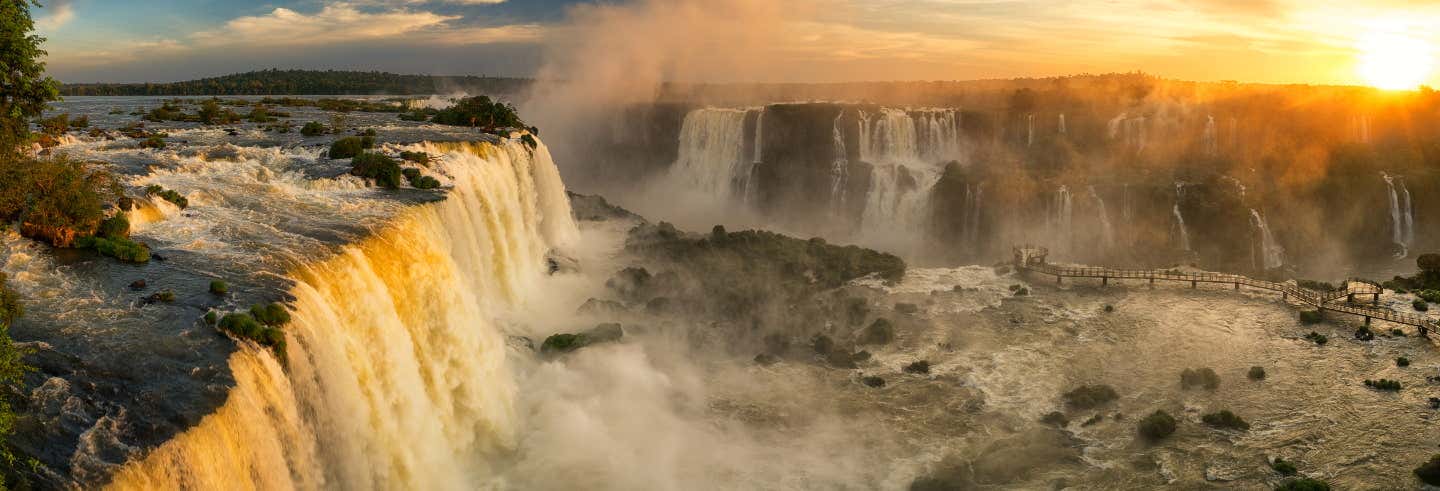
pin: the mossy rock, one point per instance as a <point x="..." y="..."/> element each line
<point x="567" y="342"/>
<point x="219" y="287"/>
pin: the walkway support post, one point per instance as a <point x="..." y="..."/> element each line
<point x="1104" y="280"/>
<point x="1377" y="300"/>
<point x="1192" y="284"/>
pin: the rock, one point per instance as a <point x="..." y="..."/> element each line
<point x="873" y="382"/>
<point x="1435" y="403"/>
<point x="921" y="367"/>
<point x="1256" y="373"/>
<point x="879" y="332"/>
<point x="594" y="208"/>
<point x="629" y="281"/>
<point x="565" y="343"/>
<point x="595" y="306"/>
<point x="907" y="308"/>
<point x="1056" y="419"/>
<point x="860" y="356"/>
<point x="557" y="263"/>
<point x="137" y="285"/>
<point x="766" y="359"/>
<point x="1090" y="396"/>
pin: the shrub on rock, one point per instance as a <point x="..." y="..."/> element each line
<point x="1364" y="334"/>
<point x="1090" y="396"/>
<point x="1203" y="377"/>
<point x="921" y="367"/>
<point x="1429" y="472"/>
<point x="1157" y="426"/>
<point x="1283" y="467"/>
<point x="1311" y="317"/>
<point x="565" y="342"/>
<point x="1256" y="373"/>
<point x="1056" y="418"/>
<point x="1318" y="338"/>
<point x="1383" y="385"/>
<point x="273" y="315"/>
<point x="384" y="170"/>
<point x="1420" y="305"/>
<point x="873" y="382"/>
<point x="313" y="128"/>
<point x="1303" y="484"/>
<point x="1402" y="362"/>
<point x="1225" y="419"/>
<point x="350" y="146"/>
<point x="120" y="248"/>
<point x="219" y="287"/>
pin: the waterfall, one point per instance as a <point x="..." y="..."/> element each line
<point x="939" y="135"/>
<point x="1108" y="232"/>
<point x="711" y="157"/>
<point x="1062" y="124"/>
<point x="895" y="203"/>
<point x="1030" y="130"/>
<point x="839" y="167"/>
<point x="1211" y="146"/>
<point x="1064" y="215"/>
<point x="1402" y="215"/>
<point x="396" y="374"/>
<point x="889" y="138"/>
<point x="1112" y="127"/>
<point x="974" y="196"/>
<point x="1184" y="233"/>
<point x="1271" y="254"/>
<point x="759" y="136"/>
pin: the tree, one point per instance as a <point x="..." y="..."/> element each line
<point x="24" y="88"/>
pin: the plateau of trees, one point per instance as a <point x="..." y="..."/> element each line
<point x="308" y="82"/>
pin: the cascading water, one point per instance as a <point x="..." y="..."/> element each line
<point x="1107" y="231"/>
<point x="1063" y="222"/>
<point x="1184" y="233"/>
<point x="1062" y="124"/>
<point x="1271" y="254"/>
<point x="839" y="167"/>
<point x="396" y="374"/>
<point x="1211" y="146"/>
<point x="974" y="197"/>
<point x="711" y="157"/>
<point x="759" y="136"/>
<point x="1402" y="215"/>
<point x="890" y="137"/>
<point x="1030" y="130"/>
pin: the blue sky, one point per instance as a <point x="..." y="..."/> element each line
<point x="1315" y="41"/>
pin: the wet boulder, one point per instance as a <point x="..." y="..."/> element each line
<point x="566" y="343"/>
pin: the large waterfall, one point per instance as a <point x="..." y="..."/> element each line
<point x="1064" y="217"/>
<point x="396" y="374"/>
<point x="712" y="159"/>
<point x="1107" y="231"/>
<point x="1402" y="214"/>
<point x="839" y="167"/>
<point x="1183" y="232"/>
<point x="1271" y="254"/>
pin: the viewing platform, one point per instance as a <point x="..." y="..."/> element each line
<point x="1035" y="259"/>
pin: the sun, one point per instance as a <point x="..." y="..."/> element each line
<point x="1394" y="61"/>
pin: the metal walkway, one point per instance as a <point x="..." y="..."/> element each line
<point x="1033" y="259"/>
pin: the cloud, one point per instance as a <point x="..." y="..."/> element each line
<point x="333" y="24"/>
<point x="60" y="13"/>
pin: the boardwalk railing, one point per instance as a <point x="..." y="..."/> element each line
<point x="1034" y="259"/>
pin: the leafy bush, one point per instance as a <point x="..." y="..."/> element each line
<point x="1420" y="305"/>
<point x="313" y="128"/>
<point x="1256" y="373"/>
<point x="1157" y="426"/>
<point x="1311" y="317"/>
<point x="1303" y="484"/>
<point x="245" y="326"/>
<point x="153" y="142"/>
<point x="1090" y="396"/>
<point x="425" y="182"/>
<point x="1203" y="377"/>
<point x="116" y="227"/>
<point x="1318" y="338"/>
<point x="1364" y="334"/>
<point x="219" y="287"/>
<point x="1055" y="418"/>
<point x="479" y="112"/>
<point x="168" y="195"/>
<point x="211" y="318"/>
<point x="881" y="331"/>
<point x="1402" y="362"/>
<point x="1284" y="467"/>
<point x="273" y="315"/>
<point x="920" y="367"/>
<point x="119" y="248"/>
<point x="873" y="382"/>
<point x="1429" y="472"/>
<point x="1432" y="296"/>
<point x="384" y="170"/>
<point x="1383" y="384"/>
<point x="1225" y="419"/>
<point x="421" y="158"/>
<point x="350" y="146"/>
<point x="565" y="342"/>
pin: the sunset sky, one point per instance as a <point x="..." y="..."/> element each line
<point x="1388" y="42"/>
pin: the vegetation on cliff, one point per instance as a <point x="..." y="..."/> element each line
<point x="479" y="112"/>
<point x="304" y="82"/>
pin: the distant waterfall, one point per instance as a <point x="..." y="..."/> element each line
<point x="1402" y="215"/>
<point x="711" y="158"/>
<point x="974" y="196"/>
<point x="1271" y="254"/>
<point x="839" y="167"/>
<point x="759" y="136"/>
<point x="396" y="374"/>
<point x="1211" y="145"/>
<point x="1062" y="124"/>
<point x="1129" y="130"/>
<point x="1107" y="231"/>
<point x="894" y="206"/>
<point x="1184" y="233"/>
<point x="1030" y="130"/>
<point x="897" y="136"/>
<point x="1063" y="222"/>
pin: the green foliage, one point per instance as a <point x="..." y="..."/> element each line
<point x="350" y="146"/>
<point x="1157" y="426"/>
<point x="55" y="199"/>
<point x="479" y="112"/>
<point x="416" y="116"/>
<point x="307" y="82"/>
<point x="24" y="88"/>
<point x="1256" y="373"/>
<point x="313" y="128"/>
<point x="12" y="365"/>
<point x="921" y="367"/>
<point x="1311" y="317"/>
<point x="1402" y="362"/>
<point x="873" y="382"/>
<point x="153" y="142"/>
<point x="1432" y="296"/>
<point x="118" y="247"/>
<point x="384" y="170"/>
<point x="210" y="317"/>
<point x="1303" y="484"/>
<point x="1429" y="472"/>
<point x="421" y="158"/>
<point x="1284" y="467"/>
<point x="1420" y="305"/>
<point x="1364" y="334"/>
<point x="273" y="314"/>
<point x="245" y="326"/>
<point x="1225" y="419"/>
<point x="219" y="287"/>
<point x="116" y="227"/>
<point x="1316" y="285"/>
<point x="55" y="125"/>
<point x="1319" y="339"/>
<point x="1090" y="396"/>
<point x="1384" y="385"/>
<point x="168" y="195"/>
<point x="565" y="343"/>
<point x="1055" y="418"/>
<point x="1202" y="377"/>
